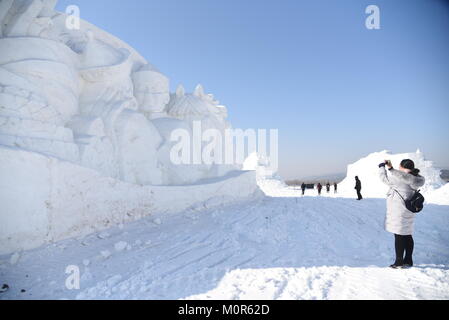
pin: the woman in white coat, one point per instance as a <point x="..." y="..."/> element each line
<point x="399" y="220"/>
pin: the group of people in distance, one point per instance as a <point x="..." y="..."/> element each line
<point x="319" y="187"/>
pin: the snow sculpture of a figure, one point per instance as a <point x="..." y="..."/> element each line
<point x="152" y="91"/>
<point x="84" y="96"/>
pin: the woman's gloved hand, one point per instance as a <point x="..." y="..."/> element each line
<point x="382" y="165"/>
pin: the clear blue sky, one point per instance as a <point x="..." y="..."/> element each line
<point x="335" y="90"/>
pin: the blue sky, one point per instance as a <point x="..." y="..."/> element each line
<point x="335" y="90"/>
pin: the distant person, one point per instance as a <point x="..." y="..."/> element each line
<point x="399" y="220"/>
<point x="335" y="187"/>
<point x="328" y="187"/>
<point x="303" y="188"/>
<point x="319" y="187"/>
<point x="358" y="188"/>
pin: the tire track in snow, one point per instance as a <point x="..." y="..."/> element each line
<point x="191" y="262"/>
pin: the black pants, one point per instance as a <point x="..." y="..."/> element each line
<point x="403" y="244"/>
<point x="359" y="195"/>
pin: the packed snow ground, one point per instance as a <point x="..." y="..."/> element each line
<point x="280" y="247"/>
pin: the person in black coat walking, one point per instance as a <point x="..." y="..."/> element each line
<point x="319" y="187"/>
<point x="335" y="187"/>
<point x="328" y="187"/>
<point x="303" y="188"/>
<point x="358" y="188"/>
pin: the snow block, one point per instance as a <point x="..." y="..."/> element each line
<point x="45" y="199"/>
<point x="372" y="187"/>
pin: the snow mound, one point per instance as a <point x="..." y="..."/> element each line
<point x="439" y="196"/>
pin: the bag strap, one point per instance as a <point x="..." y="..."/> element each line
<point x="416" y="191"/>
<point x="399" y="194"/>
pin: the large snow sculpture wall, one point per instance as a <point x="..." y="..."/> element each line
<point x="82" y="103"/>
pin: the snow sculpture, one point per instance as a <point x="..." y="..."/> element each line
<point x="39" y="94"/>
<point x="26" y="18"/>
<point x="198" y="106"/>
<point x="86" y="97"/>
<point x="268" y="180"/>
<point x="185" y="111"/>
<point x="85" y="132"/>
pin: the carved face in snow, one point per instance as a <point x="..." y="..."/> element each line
<point x="151" y="90"/>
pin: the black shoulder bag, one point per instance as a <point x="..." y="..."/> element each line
<point x="416" y="202"/>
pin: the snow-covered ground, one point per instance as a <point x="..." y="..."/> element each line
<point x="282" y="246"/>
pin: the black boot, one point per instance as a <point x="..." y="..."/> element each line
<point x="397" y="265"/>
<point x="408" y="262"/>
<point x="407" y="265"/>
